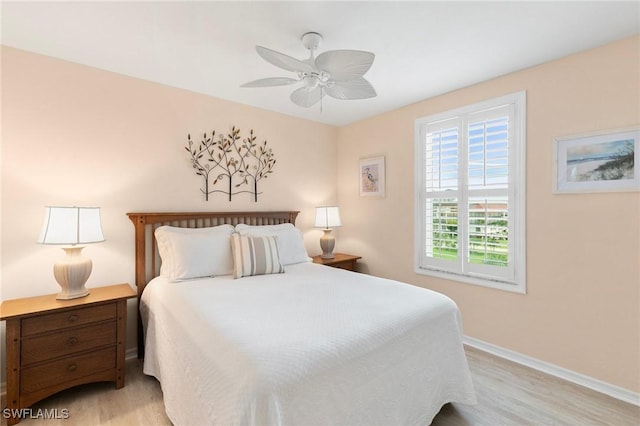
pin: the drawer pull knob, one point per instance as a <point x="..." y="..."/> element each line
<point x="73" y="341"/>
<point x="73" y="318"/>
<point x="72" y="367"/>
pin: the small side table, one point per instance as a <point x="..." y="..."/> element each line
<point x="54" y="344"/>
<point x="340" y="260"/>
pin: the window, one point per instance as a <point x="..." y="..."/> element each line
<point x="470" y="204"/>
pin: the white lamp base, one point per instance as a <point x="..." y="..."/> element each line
<point x="72" y="272"/>
<point x="327" y="243"/>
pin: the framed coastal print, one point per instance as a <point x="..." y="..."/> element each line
<point x="598" y="162"/>
<point x="372" y="177"/>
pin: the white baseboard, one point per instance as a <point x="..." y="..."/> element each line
<point x="131" y="353"/>
<point x="554" y="370"/>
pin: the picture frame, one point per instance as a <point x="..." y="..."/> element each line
<point x="372" y="176"/>
<point x="603" y="161"/>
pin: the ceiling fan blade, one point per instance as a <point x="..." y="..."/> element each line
<point x="345" y="64"/>
<point x="283" y="61"/>
<point x="306" y="97"/>
<point x="358" y="88"/>
<point x="271" y="81"/>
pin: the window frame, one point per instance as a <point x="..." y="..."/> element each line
<point x="516" y="195"/>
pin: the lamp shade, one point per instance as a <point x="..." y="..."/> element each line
<point x="327" y="217"/>
<point x="71" y="225"/>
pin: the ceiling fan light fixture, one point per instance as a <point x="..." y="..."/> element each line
<point x="310" y="82"/>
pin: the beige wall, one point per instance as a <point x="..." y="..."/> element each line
<point x="583" y="251"/>
<point x="74" y="135"/>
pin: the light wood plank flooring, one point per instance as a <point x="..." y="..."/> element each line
<point x="508" y="394"/>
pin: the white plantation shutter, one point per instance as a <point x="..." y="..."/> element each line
<point x="470" y="201"/>
<point x="488" y="162"/>
<point x="441" y="156"/>
<point x="488" y="237"/>
<point x="441" y="223"/>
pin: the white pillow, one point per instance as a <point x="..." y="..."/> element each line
<point x="290" y="243"/>
<point x="255" y="255"/>
<point x="194" y="252"/>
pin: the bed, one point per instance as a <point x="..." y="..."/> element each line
<point x="284" y="341"/>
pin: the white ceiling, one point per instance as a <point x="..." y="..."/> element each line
<point x="422" y="49"/>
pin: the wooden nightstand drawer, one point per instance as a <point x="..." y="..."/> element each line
<point x="64" y="370"/>
<point x="68" y="318"/>
<point x="349" y="265"/>
<point x="340" y="260"/>
<point x="77" y="339"/>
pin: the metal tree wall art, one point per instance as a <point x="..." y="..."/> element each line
<point x="230" y="158"/>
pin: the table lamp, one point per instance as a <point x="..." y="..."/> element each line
<point x="72" y="226"/>
<point x="327" y="217"/>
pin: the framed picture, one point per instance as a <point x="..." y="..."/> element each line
<point x="372" y="177"/>
<point x="597" y="162"/>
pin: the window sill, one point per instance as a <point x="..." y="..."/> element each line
<point x="513" y="287"/>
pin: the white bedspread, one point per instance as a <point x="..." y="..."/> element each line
<point x="313" y="346"/>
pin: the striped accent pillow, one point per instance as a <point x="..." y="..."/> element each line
<point x="255" y="255"/>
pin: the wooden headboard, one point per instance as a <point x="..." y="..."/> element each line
<point x="146" y="253"/>
<point x="147" y="259"/>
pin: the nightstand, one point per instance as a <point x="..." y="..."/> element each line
<point x="56" y="344"/>
<point x="340" y="260"/>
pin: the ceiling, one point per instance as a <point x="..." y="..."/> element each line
<point x="422" y="49"/>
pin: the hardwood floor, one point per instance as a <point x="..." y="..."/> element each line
<point x="512" y="394"/>
<point x="508" y="394"/>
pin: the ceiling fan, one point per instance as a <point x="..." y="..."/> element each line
<point x="337" y="73"/>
